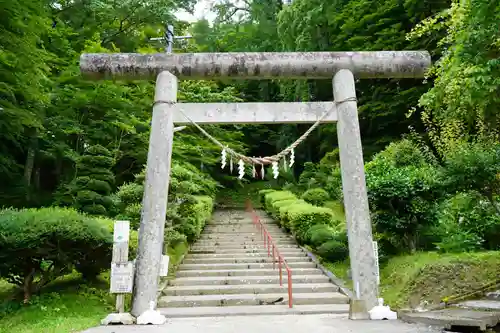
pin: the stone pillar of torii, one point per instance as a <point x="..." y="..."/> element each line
<point x="341" y="67"/>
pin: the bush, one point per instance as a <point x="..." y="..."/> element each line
<point x="173" y="237"/>
<point x="39" y="245"/>
<point x="316" y="196"/>
<point x="304" y="217"/>
<point x="402" y="197"/>
<point x="194" y="211"/>
<point x="286" y="210"/>
<point x="262" y="195"/>
<point x="274" y="210"/>
<point x="319" y="234"/>
<point x="333" y="251"/>
<point x="467" y="222"/>
<point x="271" y="197"/>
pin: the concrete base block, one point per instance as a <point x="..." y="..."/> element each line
<point x="118" y="318"/>
<point x="151" y="317"/>
<point x="357" y="310"/>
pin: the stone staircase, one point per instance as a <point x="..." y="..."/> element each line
<point x="228" y="272"/>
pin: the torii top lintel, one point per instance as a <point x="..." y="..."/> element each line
<point x="257" y="66"/>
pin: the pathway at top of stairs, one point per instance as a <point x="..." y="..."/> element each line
<point x="228" y="272"/>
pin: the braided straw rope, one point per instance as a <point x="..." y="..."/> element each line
<point x="261" y="160"/>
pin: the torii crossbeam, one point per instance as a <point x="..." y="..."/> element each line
<point x="342" y="67"/>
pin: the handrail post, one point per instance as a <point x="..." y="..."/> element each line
<point x="271" y="246"/>
<point x="274" y="261"/>
<point x="268" y="245"/>
<point x="281" y="271"/>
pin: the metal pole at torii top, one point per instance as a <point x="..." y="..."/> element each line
<point x="169" y="41"/>
<point x="169" y="38"/>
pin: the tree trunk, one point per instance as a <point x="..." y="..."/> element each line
<point x="28" y="286"/>
<point x="30" y="162"/>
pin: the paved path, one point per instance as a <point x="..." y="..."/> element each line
<point x="325" y="323"/>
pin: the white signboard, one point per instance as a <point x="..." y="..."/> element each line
<point x="121" y="232"/>
<point x="164" y="265"/>
<point x="122" y="278"/>
<point x="377" y="268"/>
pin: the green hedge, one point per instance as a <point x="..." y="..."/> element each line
<point x="287" y="210"/>
<point x="304" y="217"/>
<point x="194" y="212"/>
<point x="271" y="197"/>
<point x="316" y="196"/>
<point x="310" y="224"/>
<point x="262" y="195"/>
<point x="274" y="208"/>
<point x="39" y="245"/>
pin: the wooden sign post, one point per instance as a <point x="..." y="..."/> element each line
<point x="122" y="274"/>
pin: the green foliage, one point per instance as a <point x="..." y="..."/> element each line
<point x="90" y="191"/>
<point x="29" y="257"/>
<point x="262" y="195"/>
<point x="464" y="100"/>
<point x="273" y="196"/>
<point x="173" y="237"/>
<point x="467" y="222"/>
<point x="305" y="216"/>
<point x="333" y="250"/>
<point x="474" y="167"/>
<point x="316" y="196"/>
<point x="402" y="192"/>
<point x="320" y="234"/>
<point x="194" y="212"/>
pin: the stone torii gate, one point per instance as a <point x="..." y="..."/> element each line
<point x="342" y="67"/>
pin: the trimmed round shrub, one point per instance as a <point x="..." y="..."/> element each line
<point x="316" y="196"/>
<point x="262" y="195"/>
<point x="320" y="234"/>
<point x="333" y="251"/>
<point x="286" y="210"/>
<point x="304" y="217"/>
<point x="276" y="206"/>
<point x="271" y="197"/>
<point x="130" y="193"/>
<point x="39" y="245"/>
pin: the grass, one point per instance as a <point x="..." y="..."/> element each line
<point x="67" y="305"/>
<point x="428" y="278"/>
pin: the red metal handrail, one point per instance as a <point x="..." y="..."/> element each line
<point x="272" y="249"/>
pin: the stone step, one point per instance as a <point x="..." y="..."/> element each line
<point x="236" y="255"/>
<point x="245" y="272"/>
<point x="205" y="267"/>
<point x="260" y="250"/>
<point x="219" y="311"/>
<point x="237" y="280"/>
<point x="249" y="227"/>
<point x="248" y="231"/>
<point x="249" y="289"/>
<point x="243" y="238"/>
<point x="237" y="260"/>
<point x="483" y="305"/>
<point x="229" y="243"/>
<point x="251" y="299"/>
<point x="448" y="318"/>
<point x="244" y="246"/>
